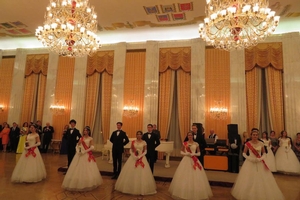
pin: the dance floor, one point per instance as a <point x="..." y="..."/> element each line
<point x="50" y="188"/>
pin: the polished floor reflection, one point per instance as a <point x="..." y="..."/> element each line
<point x="51" y="187"/>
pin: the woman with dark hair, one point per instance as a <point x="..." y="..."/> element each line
<point x="23" y="134"/>
<point x="255" y="180"/>
<point x="270" y="158"/>
<point x="286" y="160"/>
<point x="190" y="180"/>
<point x="64" y="141"/>
<point x="30" y="167"/>
<point x="83" y="173"/>
<point x="274" y="142"/>
<point x="297" y="146"/>
<point x="136" y="177"/>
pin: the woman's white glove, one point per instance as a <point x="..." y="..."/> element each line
<point x="196" y="154"/>
<point x="143" y="154"/>
<point x="250" y="158"/>
<point x="287" y="149"/>
<point x="185" y="153"/>
<point x="133" y="155"/>
<point x="35" y="145"/>
<point x="87" y="150"/>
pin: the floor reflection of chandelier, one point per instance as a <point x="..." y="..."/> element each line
<point x="235" y="24"/>
<point x="130" y="110"/>
<point x="70" y="28"/>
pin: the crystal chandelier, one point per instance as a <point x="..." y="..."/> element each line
<point x="218" y="112"/>
<point x="70" y="28"/>
<point x="57" y="109"/>
<point x="130" y="110"/>
<point x="236" y="24"/>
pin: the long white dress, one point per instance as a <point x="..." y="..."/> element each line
<point x="30" y="167"/>
<point x="255" y="181"/>
<point x="136" y="179"/>
<point x="286" y="159"/>
<point x="189" y="182"/>
<point x="83" y="173"/>
<point x="270" y="158"/>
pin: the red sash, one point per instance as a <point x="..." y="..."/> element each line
<point x="91" y="157"/>
<point x="31" y="152"/>
<point x="195" y="159"/>
<point x="256" y="154"/>
<point x="139" y="161"/>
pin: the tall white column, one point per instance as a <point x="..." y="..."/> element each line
<point x="79" y="91"/>
<point x="238" y="90"/>
<point x="151" y="84"/>
<point x="50" y="87"/>
<point x="17" y="90"/>
<point x="198" y="81"/>
<point x="118" y="85"/>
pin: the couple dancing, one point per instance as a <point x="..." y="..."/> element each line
<point x="139" y="166"/>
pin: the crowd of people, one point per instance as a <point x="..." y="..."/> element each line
<point x="255" y="180"/>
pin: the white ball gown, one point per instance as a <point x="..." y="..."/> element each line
<point x="83" y="173"/>
<point x="270" y="158"/>
<point x="136" y="177"/>
<point x="286" y="159"/>
<point x="190" y="182"/>
<point x="255" y="181"/>
<point x="30" y="167"/>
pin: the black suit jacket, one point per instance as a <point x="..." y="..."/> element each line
<point x="72" y="138"/>
<point x="200" y="140"/>
<point x="118" y="141"/>
<point x="48" y="132"/>
<point x="14" y="133"/>
<point x="157" y="132"/>
<point x="152" y="142"/>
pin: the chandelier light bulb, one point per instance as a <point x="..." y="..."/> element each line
<point x="70" y="28"/>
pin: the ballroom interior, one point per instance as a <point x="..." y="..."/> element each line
<point x="154" y="73"/>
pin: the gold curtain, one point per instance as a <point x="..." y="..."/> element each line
<point x="92" y="95"/>
<point x="102" y="61"/>
<point x="106" y="82"/>
<point x="275" y="99"/>
<point x="171" y="60"/>
<point x="166" y="86"/>
<point x="35" y="84"/>
<point x="263" y="55"/>
<point x="184" y="101"/>
<point x="134" y="81"/>
<point x="217" y="89"/>
<point x="63" y="93"/>
<point x="6" y="71"/>
<point x="175" y="58"/>
<point x="253" y="88"/>
<point x="266" y="56"/>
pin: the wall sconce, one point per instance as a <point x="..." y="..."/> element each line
<point x="57" y="109"/>
<point x="130" y="110"/>
<point x="1" y="108"/>
<point x="218" y="112"/>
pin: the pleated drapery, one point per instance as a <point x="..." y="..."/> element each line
<point x="35" y="84"/>
<point x="6" y="71"/>
<point x="171" y="61"/>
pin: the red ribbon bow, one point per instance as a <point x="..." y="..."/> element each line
<point x="194" y="158"/>
<point x="91" y="157"/>
<point x="139" y="161"/>
<point x="31" y="152"/>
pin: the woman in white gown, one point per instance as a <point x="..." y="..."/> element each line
<point x="190" y="180"/>
<point x="136" y="177"/>
<point x="270" y="158"/>
<point x="286" y="159"/>
<point x="83" y="173"/>
<point x="255" y="181"/>
<point x="30" y="167"/>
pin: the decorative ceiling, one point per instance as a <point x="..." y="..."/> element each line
<point x="20" y="18"/>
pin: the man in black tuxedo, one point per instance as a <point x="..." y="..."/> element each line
<point x="73" y="136"/>
<point x="152" y="142"/>
<point x="48" y="134"/>
<point x="118" y="139"/>
<point x="14" y="137"/>
<point x="199" y="138"/>
<point x="157" y="132"/>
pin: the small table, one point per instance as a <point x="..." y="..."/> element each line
<point x="55" y="145"/>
